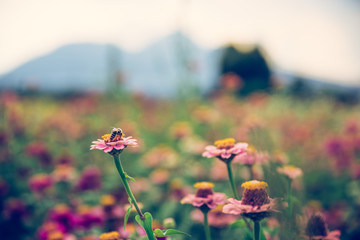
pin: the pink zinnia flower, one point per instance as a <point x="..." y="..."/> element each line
<point x="225" y="149"/>
<point x="113" y="143"/>
<point x="316" y="228"/>
<point x="255" y="203"/>
<point x="290" y="171"/>
<point x="252" y="156"/>
<point x="204" y="197"/>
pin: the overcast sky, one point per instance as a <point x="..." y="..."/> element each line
<point x="318" y="38"/>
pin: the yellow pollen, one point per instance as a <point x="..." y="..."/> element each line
<point x="254" y="184"/>
<point x="110" y="236"/>
<point x="107" y="200"/>
<point x="106" y="137"/>
<point x="203" y="185"/>
<point x="224" y="143"/>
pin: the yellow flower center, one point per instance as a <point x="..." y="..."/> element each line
<point x="110" y="236"/>
<point x="290" y="168"/>
<point x="117" y="137"/>
<point x="225" y="143"/>
<point x="204" y="189"/>
<point x="204" y="185"/>
<point x="254" y="184"/>
<point x="106" y="137"/>
<point x="107" y="200"/>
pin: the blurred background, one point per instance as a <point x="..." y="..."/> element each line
<point x="159" y="47"/>
<point x="177" y="75"/>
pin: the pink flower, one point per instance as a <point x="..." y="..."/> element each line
<point x="316" y="228"/>
<point x="237" y="207"/>
<point x="255" y="203"/>
<point x="113" y="145"/>
<point x="252" y="156"/>
<point x="290" y="171"/>
<point x="204" y="196"/>
<point x="225" y="149"/>
<point x="39" y="183"/>
<point x="216" y="217"/>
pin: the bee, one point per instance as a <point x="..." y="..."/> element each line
<point x="115" y="132"/>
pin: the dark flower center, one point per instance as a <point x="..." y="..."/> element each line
<point x="204" y="192"/>
<point x="316" y="226"/>
<point x="255" y="197"/>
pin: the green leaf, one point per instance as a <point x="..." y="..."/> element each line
<point x="129" y="177"/>
<point x="238" y="224"/>
<point x="139" y="221"/>
<point x="148" y="224"/>
<point x="159" y="233"/>
<point x="127" y="213"/>
<point x="169" y="232"/>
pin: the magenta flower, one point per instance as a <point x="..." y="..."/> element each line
<point x="225" y="149"/>
<point x="39" y="183"/>
<point x="255" y="203"/>
<point x="204" y="197"/>
<point x="113" y="145"/>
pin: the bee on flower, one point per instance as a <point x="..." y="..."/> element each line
<point x="113" y="143"/>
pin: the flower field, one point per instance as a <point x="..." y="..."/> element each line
<point x="263" y="167"/>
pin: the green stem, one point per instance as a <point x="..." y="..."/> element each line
<point x="232" y="180"/>
<point x="256" y="230"/>
<point x="206" y="226"/>
<point x="126" y="185"/>
<point x="289" y="199"/>
<point x="251" y="171"/>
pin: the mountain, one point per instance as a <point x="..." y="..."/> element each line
<point x="75" y="67"/>
<point x="158" y="70"/>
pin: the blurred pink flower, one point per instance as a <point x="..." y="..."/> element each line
<point x="116" y="145"/>
<point x="90" y="179"/>
<point x="216" y="217"/>
<point x="62" y="214"/>
<point x="225" y="149"/>
<point x="87" y="217"/>
<point x="40" y="182"/>
<point x="161" y="156"/>
<point x="252" y="156"/>
<point x="290" y="171"/>
<point x="316" y="228"/>
<point x="40" y="151"/>
<point x="63" y="173"/>
<point x="204" y="196"/>
<point x="49" y="227"/>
